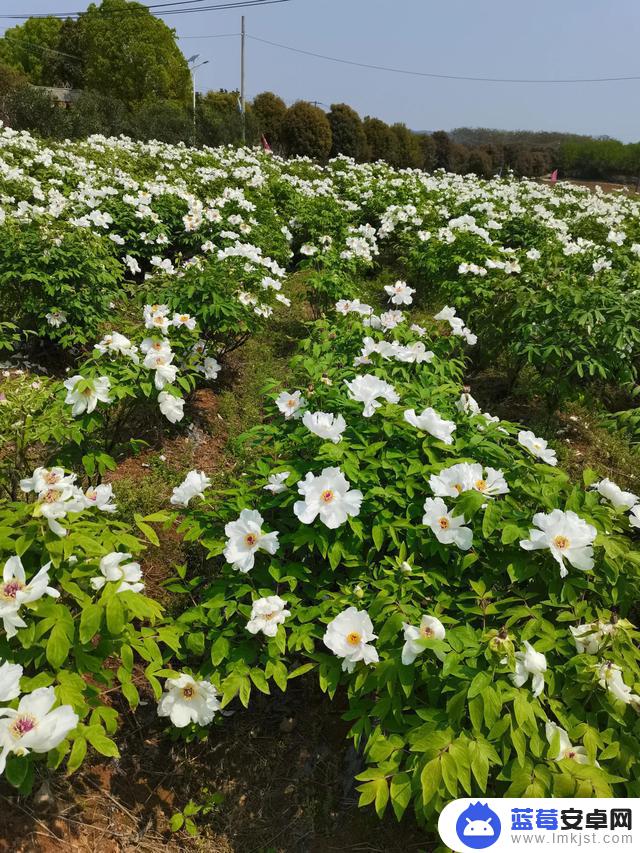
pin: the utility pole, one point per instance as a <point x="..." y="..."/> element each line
<point x="242" y="104"/>
<point x="192" y="68"/>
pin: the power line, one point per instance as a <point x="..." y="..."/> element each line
<point x="438" y="76"/>
<point x="27" y="44"/>
<point x="238" y="4"/>
<point x="217" y="36"/>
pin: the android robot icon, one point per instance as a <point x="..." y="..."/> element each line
<point x="478" y="826"/>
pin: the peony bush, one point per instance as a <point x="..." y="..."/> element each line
<point x="430" y="563"/>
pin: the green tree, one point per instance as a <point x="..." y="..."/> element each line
<point x="408" y="148"/>
<point x="428" y="151"/>
<point x="131" y="55"/>
<point x="167" y="121"/>
<point x="347" y="132"/>
<point x="29" y="48"/>
<point x="443" y="150"/>
<point x="479" y="163"/>
<point x="269" y="111"/>
<point x="458" y="158"/>
<point x="381" y="139"/>
<point x="31" y="109"/>
<point x="306" y="131"/>
<point x="67" y="67"/>
<point x="219" y="120"/>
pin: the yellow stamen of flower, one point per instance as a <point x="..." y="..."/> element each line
<point x="251" y="539"/>
<point x="444" y="522"/>
<point x="354" y="638"/>
<point x="481" y="485"/>
<point x="327" y="496"/>
<point x="561" y="542"/>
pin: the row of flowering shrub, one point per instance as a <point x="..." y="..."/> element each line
<point x="434" y="562"/>
<point x="83" y="223"/>
<point x="391" y="538"/>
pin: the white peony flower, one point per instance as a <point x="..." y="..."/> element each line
<point x="44" y="479"/>
<point x="184" y="320"/>
<point x="161" y="363"/>
<point x="192" y="486"/>
<point x="56" y="318"/>
<point x="84" y="394"/>
<point x="117" y="343"/>
<point x="100" y="497"/>
<point x="186" y="700"/>
<point x="210" y="368"/>
<point x="564" y="749"/>
<point x="447" y="314"/>
<point x="610" y="677"/>
<point x="132" y="263"/>
<point x="348" y="636"/>
<point x="464" y="477"/>
<point x="325" y="425"/>
<point x="530" y="663"/>
<point x="449" y="529"/>
<point x="430" y="628"/>
<point x="390" y="319"/>
<point x="366" y="389"/>
<point x="590" y="637"/>
<point x="348" y="306"/>
<point x="113" y="571"/>
<point x="290" y="404"/>
<point x="467" y="405"/>
<point x="15" y="591"/>
<point x="400" y="293"/>
<point x="10" y="675"/>
<point x="58" y="502"/>
<point x="328" y="496"/>
<point x="614" y="494"/>
<point x="266" y="614"/>
<point x="33" y="726"/>
<point x="276" y="483"/>
<point x="155" y="346"/>
<point x="431" y="422"/>
<point x="171" y="407"/>
<point x="245" y="538"/>
<point x="537" y="446"/>
<point x="566" y="535"/>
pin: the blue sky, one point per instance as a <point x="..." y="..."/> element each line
<point x="494" y="38"/>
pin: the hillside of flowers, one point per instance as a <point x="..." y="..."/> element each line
<point x="430" y="565"/>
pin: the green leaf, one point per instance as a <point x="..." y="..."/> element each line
<point x="89" y="622"/>
<point x="400" y="790"/>
<point x="176" y="822"/>
<point x="16" y="770"/>
<point x="430" y="779"/>
<point x="58" y="645"/>
<point x="219" y="650"/>
<point x="100" y="742"/>
<point x="77" y="754"/>
<point x="115" y="615"/>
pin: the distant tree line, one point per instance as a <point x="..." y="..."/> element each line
<point x="133" y="79"/>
